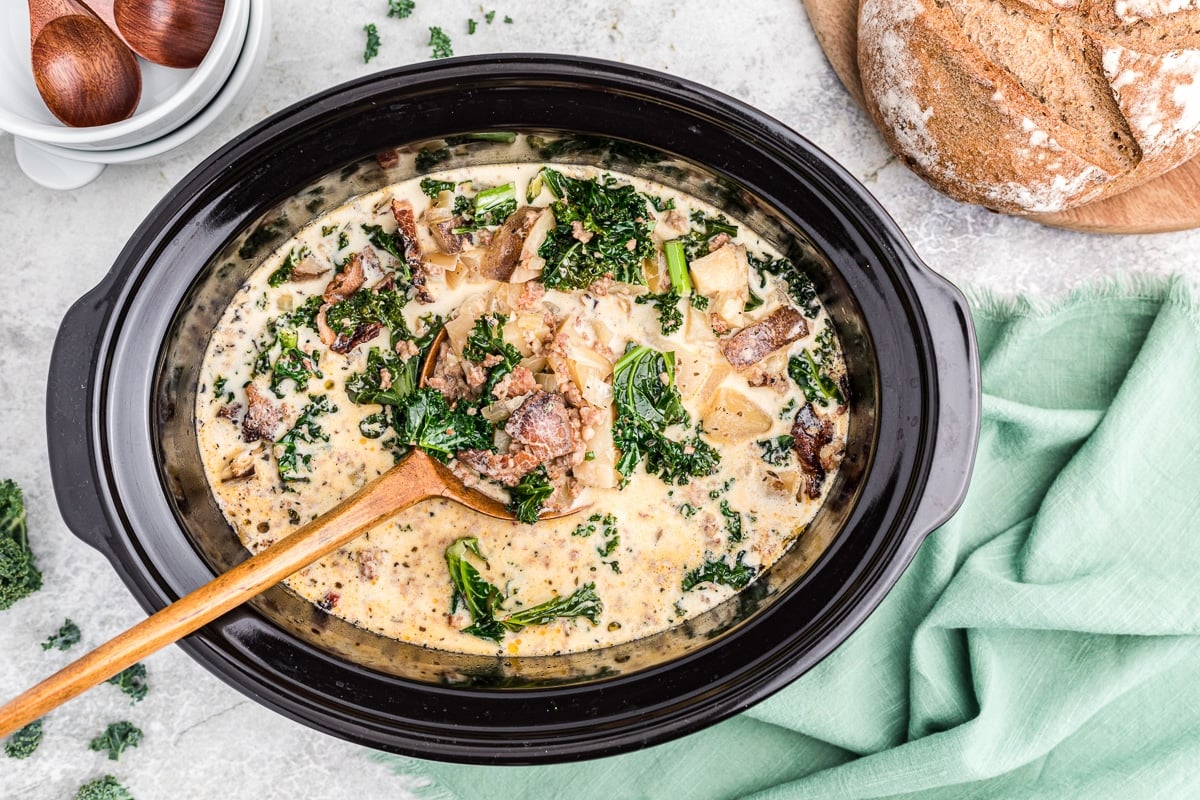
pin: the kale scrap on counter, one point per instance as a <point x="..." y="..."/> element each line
<point x="485" y="602"/>
<point x="116" y="738"/>
<point x="19" y="575"/>
<point x="66" y="636"/>
<point x="132" y="681"/>
<point x="24" y="742"/>
<point x="106" y="788"/>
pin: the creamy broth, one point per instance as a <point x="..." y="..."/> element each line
<point x="640" y="540"/>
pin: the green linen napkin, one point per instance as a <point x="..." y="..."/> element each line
<point x="1044" y="642"/>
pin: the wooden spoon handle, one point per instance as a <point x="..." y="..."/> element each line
<point x="42" y="12"/>
<point x="413" y="479"/>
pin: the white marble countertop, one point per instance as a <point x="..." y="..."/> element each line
<point x="204" y="739"/>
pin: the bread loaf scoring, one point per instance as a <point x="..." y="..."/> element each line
<point x="1035" y="105"/>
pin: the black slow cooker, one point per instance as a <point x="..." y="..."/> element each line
<point x="126" y="466"/>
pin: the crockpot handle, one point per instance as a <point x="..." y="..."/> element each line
<point x="956" y="355"/>
<point x="69" y="419"/>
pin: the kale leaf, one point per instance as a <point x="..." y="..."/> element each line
<point x="67" y="635"/>
<point x="487" y="209"/>
<point x="778" y="450"/>
<point x="371" y="49"/>
<point x="116" y="738"/>
<point x="294" y="257"/>
<point x="22" y="743"/>
<point x="132" y="681"/>
<point x="400" y="9"/>
<point x="440" y="43"/>
<point x="799" y="286"/>
<point x="670" y="318"/>
<point x="647" y="403"/>
<point x="370" y="307"/>
<point x="484" y="602"/>
<point x="618" y="221"/>
<point x="392" y="243"/>
<point x="810" y="370"/>
<point x="696" y="242"/>
<point x="368" y="386"/>
<point x="487" y="339"/>
<point x="432" y="187"/>
<point x="429" y="423"/>
<point x="735" y="576"/>
<point x="293" y="364"/>
<point x="529" y="496"/>
<point x="733" y="521"/>
<point x="19" y="575"/>
<point x="106" y="788"/>
<point x="306" y="431"/>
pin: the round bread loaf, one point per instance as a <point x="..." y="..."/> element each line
<point x="1034" y="105"/>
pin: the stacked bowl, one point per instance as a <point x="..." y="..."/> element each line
<point x="175" y="106"/>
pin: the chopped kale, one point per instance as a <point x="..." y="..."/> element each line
<point x="343" y="240"/>
<point x="293" y="364"/>
<point x="372" y="47"/>
<point x="489" y="16"/>
<point x="488" y="209"/>
<point x="619" y="224"/>
<point x="647" y="404"/>
<point x="699" y="302"/>
<point x="471" y="26"/>
<point x="116" y="738"/>
<point x="132" y="681"/>
<point x="427" y="159"/>
<point x="106" y="788"/>
<point x="670" y="318"/>
<point x="400" y="9"/>
<point x="288" y="457"/>
<point x="294" y="257"/>
<point x="24" y="742"/>
<point x="392" y="243"/>
<point x="799" y="286"/>
<point x="777" y="451"/>
<point x="484" y="602"/>
<point x="68" y="635"/>
<point x="432" y="187"/>
<point x="733" y="521"/>
<point x="735" y="576"/>
<point x="375" y="425"/>
<point x="432" y="425"/>
<point x="704" y="229"/>
<point x="659" y="204"/>
<point x="365" y="308"/>
<point x="219" y="390"/>
<point x="328" y="230"/>
<point x="384" y="367"/>
<point x="608" y="529"/>
<point x="688" y="510"/>
<point x="487" y="339"/>
<point x="508" y="20"/>
<point x="440" y="43"/>
<point x="529" y="496"/>
<point x="810" y="370"/>
<point x="19" y="575"/>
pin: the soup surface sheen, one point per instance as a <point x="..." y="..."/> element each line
<point x="283" y="439"/>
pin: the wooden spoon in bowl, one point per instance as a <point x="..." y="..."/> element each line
<point x="415" y="478"/>
<point x="84" y="73"/>
<point x="173" y="33"/>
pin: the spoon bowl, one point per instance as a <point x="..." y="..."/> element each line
<point x="169" y="32"/>
<point x="84" y="74"/>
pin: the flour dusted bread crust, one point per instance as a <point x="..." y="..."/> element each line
<point x="1034" y="105"/>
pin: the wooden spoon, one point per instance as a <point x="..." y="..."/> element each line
<point x="83" y="72"/>
<point x="417" y="477"/>
<point x="173" y="33"/>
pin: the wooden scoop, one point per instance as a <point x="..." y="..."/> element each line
<point x="173" y="33"/>
<point x="417" y="477"/>
<point x="84" y="73"/>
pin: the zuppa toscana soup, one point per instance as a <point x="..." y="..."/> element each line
<point x="611" y="344"/>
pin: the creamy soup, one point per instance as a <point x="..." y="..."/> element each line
<point x="610" y="344"/>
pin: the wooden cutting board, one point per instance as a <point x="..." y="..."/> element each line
<point x="1170" y="202"/>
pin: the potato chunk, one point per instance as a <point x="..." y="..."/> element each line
<point x="725" y="269"/>
<point x="732" y="417"/>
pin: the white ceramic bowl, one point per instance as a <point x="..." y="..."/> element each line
<point x="58" y="167"/>
<point x="170" y="97"/>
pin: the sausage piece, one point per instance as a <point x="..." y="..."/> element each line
<point x="754" y="343"/>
